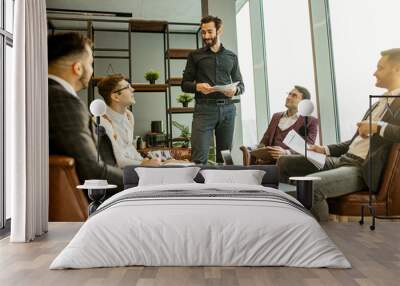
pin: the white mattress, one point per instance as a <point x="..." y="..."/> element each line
<point x="192" y="231"/>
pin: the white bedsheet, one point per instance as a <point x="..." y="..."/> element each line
<point x="200" y="231"/>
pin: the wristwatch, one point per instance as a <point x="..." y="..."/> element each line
<point x="380" y="125"/>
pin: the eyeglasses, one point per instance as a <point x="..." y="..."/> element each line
<point x="121" y="89"/>
<point x="292" y="94"/>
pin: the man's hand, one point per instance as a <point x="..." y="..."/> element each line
<point x="151" y="162"/>
<point x="317" y="148"/>
<point x="363" y="128"/>
<point x="230" y="92"/>
<point x="204" y="88"/>
<point x="276" y="151"/>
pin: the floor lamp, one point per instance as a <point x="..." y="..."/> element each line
<point x="305" y="184"/>
<point x="305" y="109"/>
<point x="97" y="108"/>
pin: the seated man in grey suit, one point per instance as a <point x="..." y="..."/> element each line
<point x="70" y="69"/>
<point x="346" y="168"/>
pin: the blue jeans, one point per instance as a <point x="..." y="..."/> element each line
<point x="206" y="119"/>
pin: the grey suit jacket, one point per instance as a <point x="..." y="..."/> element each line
<point x="70" y="134"/>
<point x="380" y="146"/>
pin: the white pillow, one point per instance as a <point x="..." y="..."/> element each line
<point x="166" y="176"/>
<point x="248" y="177"/>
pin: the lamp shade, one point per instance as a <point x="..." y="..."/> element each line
<point x="98" y="107"/>
<point x="306" y="107"/>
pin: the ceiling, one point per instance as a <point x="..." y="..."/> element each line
<point x="168" y="10"/>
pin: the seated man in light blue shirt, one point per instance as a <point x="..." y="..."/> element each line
<point x="119" y="121"/>
<point x="119" y="124"/>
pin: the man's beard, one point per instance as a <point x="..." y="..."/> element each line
<point x="210" y="44"/>
<point x="85" y="78"/>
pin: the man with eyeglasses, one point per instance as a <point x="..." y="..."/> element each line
<point x="70" y="61"/>
<point x="271" y="146"/>
<point x="118" y="121"/>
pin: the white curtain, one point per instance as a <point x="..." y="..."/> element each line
<point x="27" y="124"/>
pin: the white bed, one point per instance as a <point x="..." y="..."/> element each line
<point x="208" y="230"/>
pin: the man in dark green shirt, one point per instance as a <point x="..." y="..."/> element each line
<point x="214" y="110"/>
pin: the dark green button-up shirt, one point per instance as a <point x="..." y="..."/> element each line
<point x="205" y="66"/>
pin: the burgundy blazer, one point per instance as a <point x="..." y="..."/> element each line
<point x="298" y="126"/>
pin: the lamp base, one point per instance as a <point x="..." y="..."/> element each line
<point x="97" y="196"/>
<point x="305" y="193"/>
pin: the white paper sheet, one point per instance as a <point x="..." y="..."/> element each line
<point x="295" y="142"/>
<point x="222" y="88"/>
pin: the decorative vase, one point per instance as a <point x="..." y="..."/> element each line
<point x="152" y="81"/>
<point x="185" y="104"/>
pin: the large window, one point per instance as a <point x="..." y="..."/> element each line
<point x="247" y="104"/>
<point x="6" y="64"/>
<point x="288" y="47"/>
<point x="361" y="29"/>
<point x="9" y="13"/>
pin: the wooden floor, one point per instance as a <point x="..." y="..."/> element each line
<point x="375" y="257"/>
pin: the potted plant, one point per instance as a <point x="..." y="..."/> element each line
<point x="152" y="76"/>
<point x="184" y="137"/>
<point x="184" y="98"/>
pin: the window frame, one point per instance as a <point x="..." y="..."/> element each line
<point x="324" y="69"/>
<point x="6" y="39"/>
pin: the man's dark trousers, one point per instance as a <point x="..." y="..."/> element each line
<point x="208" y="117"/>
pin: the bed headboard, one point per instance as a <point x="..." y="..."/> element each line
<point x="270" y="179"/>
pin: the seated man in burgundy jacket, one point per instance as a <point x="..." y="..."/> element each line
<point x="271" y="146"/>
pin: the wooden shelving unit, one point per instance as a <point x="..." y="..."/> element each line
<point x="137" y="26"/>
<point x="178" y="54"/>
<point x="142" y="87"/>
<point x="147" y="26"/>
<point x="174" y="81"/>
<point x="175" y="110"/>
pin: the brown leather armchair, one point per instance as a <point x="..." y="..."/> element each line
<point x="251" y="160"/>
<point x="66" y="203"/>
<point x="246" y="155"/>
<point x="386" y="201"/>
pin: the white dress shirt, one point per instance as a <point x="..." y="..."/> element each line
<point x="119" y="128"/>
<point x="68" y="87"/>
<point x="286" y="121"/>
<point x="360" y="146"/>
